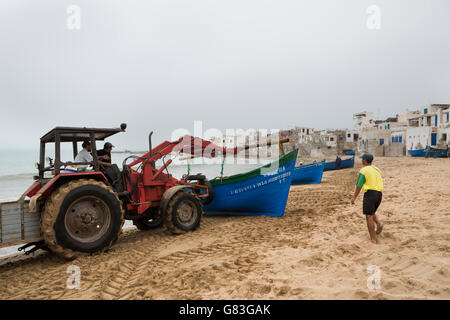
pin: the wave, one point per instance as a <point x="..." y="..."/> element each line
<point x="17" y="176"/>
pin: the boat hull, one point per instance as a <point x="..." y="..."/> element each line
<point x="263" y="191"/>
<point x="345" y="164"/>
<point x="308" y="174"/>
<point x="417" y="153"/>
<point x="429" y="152"/>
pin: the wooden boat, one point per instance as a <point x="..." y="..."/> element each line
<point x="308" y="174"/>
<point x="345" y="163"/>
<point x="263" y="191"/>
<point x="417" y="153"/>
<point x="429" y="152"/>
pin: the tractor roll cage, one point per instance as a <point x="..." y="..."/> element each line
<point x="74" y="135"/>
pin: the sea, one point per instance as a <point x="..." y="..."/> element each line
<point x="17" y="168"/>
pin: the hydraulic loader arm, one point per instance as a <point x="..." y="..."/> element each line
<point x="196" y="147"/>
<point x="187" y="144"/>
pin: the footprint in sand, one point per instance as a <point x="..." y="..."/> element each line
<point x="283" y="291"/>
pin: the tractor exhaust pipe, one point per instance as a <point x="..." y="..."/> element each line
<point x="150" y="143"/>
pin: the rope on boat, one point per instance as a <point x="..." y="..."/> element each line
<point x="221" y="169"/>
<point x="280" y="145"/>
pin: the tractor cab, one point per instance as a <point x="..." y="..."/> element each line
<point x="52" y="172"/>
<point x="72" y="135"/>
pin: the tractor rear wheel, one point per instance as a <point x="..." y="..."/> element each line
<point x="81" y="216"/>
<point x="183" y="212"/>
<point x="150" y="220"/>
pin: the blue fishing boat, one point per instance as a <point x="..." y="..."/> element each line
<point x="263" y="191"/>
<point x="308" y="174"/>
<point x="429" y="152"/>
<point x="417" y="153"/>
<point x="344" y="164"/>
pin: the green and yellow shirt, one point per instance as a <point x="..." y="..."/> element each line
<point x="369" y="178"/>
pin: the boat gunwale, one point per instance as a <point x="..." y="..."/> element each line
<point x="255" y="172"/>
<point x="309" y="165"/>
<point x="330" y="162"/>
<point x="431" y="151"/>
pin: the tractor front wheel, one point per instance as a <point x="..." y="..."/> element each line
<point x="81" y="216"/>
<point x="183" y="212"/>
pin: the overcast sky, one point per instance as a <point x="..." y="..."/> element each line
<point x="161" y="64"/>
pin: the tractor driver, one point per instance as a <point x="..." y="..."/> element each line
<point x="105" y="154"/>
<point x="85" y="156"/>
<point x="111" y="171"/>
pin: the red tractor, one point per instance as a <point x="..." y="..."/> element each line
<point x="84" y="211"/>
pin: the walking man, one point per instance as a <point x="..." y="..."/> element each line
<point x="369" y="179"/>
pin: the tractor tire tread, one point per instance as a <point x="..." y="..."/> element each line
<point x="168" y="218"/>
<point x="51" y="212"/>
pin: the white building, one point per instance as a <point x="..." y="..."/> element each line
<point x="444" y="128"/>
<point x="328" y="138"/>
<point x="419" y="137"/>
<point x="362" y="120"/>
<point x="351" y="136"/>
<point x="303" y="134"/>
<point x="381" y="137"/>
<point x="430" y="127"/>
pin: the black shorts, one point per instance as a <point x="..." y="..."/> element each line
<point x="371" y="202"/>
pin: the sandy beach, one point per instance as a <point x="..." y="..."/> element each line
<point x="319" y="249"/>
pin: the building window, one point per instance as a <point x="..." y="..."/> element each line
<point x="425" y="111"/>
<point x="400" y="138"/>
<point x="381" y="142"/>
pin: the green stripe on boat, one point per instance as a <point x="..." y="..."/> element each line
<point x="256" y="172"/>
